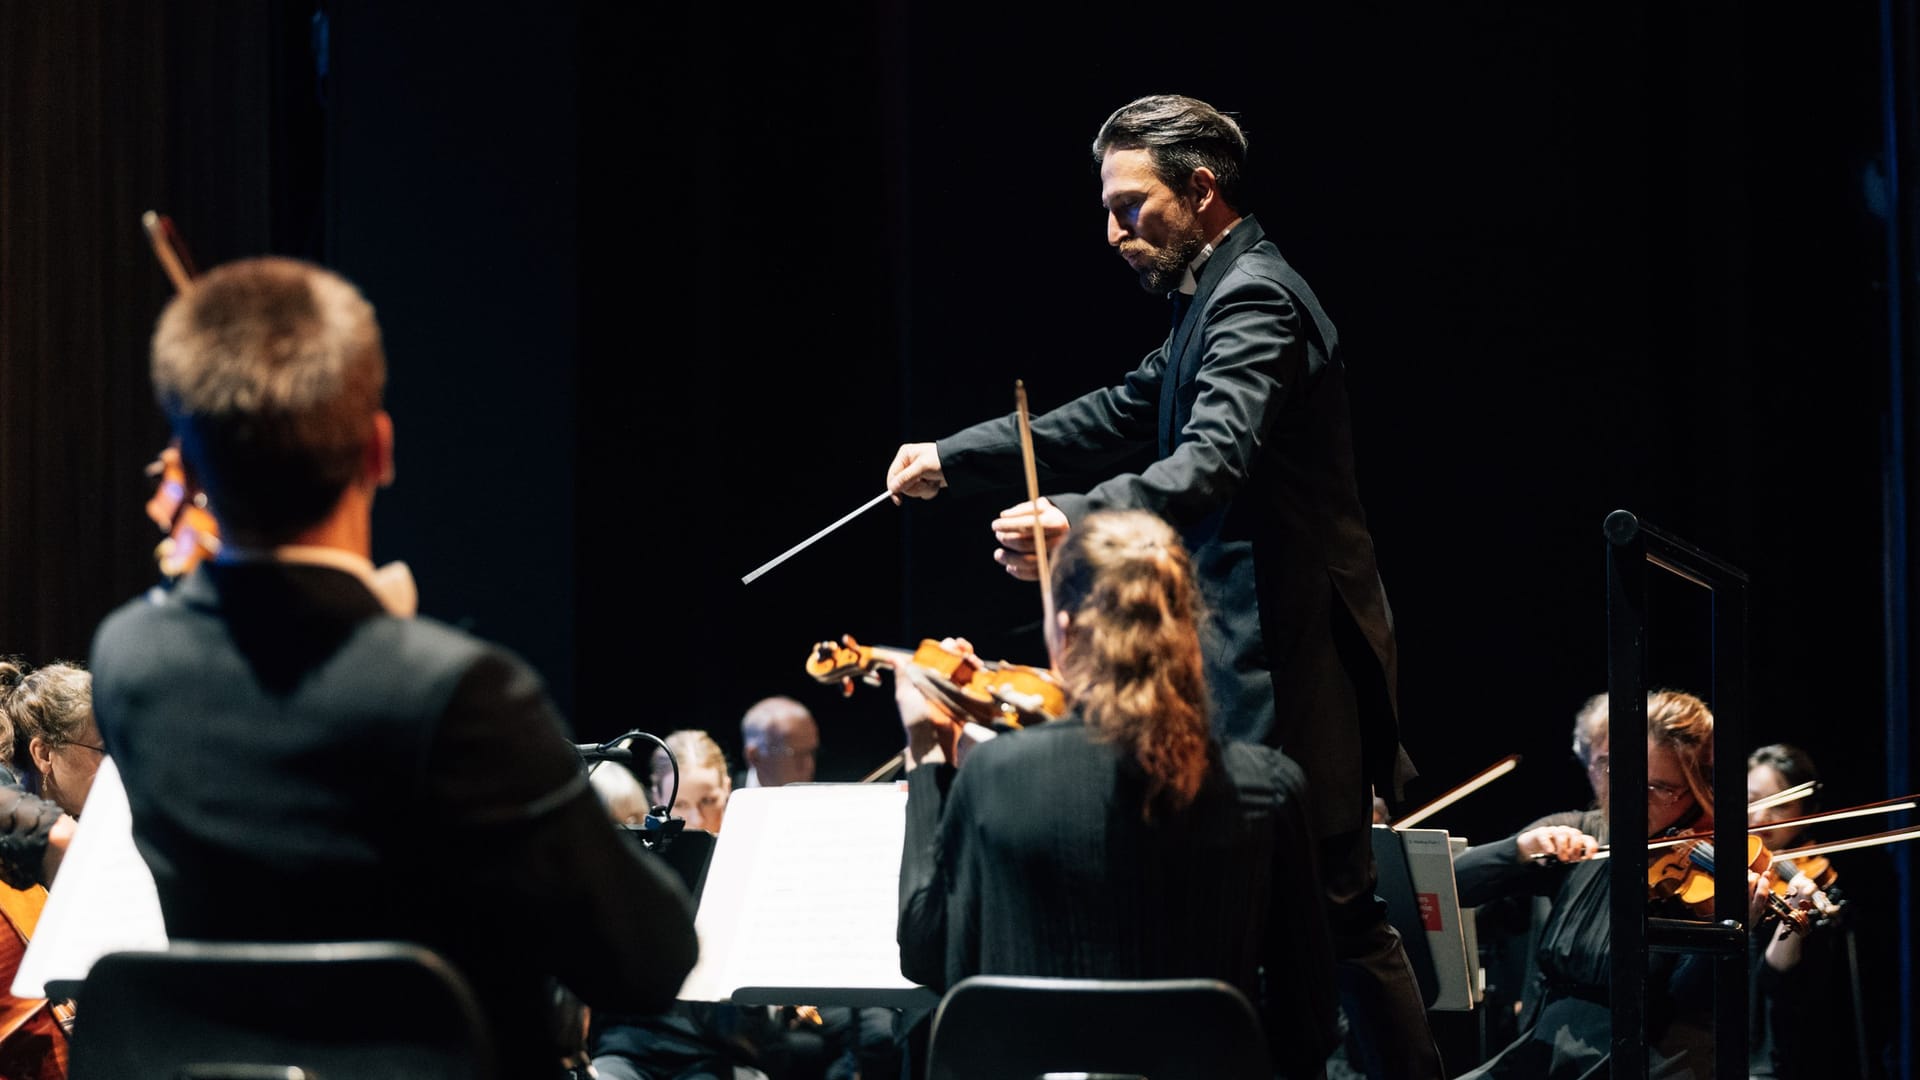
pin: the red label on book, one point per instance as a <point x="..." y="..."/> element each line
<point x="1429" y="909"/>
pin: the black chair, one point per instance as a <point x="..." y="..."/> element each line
<point x="354" y="1010"/>
<point x="994" y="1027"/>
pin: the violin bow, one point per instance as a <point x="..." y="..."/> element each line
<point x="1474" y="783"/>
<point x="1911" y="832"/>
<point x="1033" y="500"/>
<point x="1785" y="795"/>
<point x="1884" y="806"/>
<point x="168" y="249"/>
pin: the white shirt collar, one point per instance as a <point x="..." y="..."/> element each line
<point x="1190" y="281"/>
<point x="392" y="584"/>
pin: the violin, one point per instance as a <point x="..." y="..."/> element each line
<point x="177" y="506"/>
<point x="1817" y="868"/>
<point x="1684" y="873"/>
<point x="34" y="1032"/>
<point x="995" y="693"/>
<point x="192" y="535"/>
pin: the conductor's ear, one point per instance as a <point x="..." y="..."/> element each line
<point x="1203" y="187"/>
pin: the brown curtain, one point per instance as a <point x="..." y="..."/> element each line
<point x="107" y="109"/>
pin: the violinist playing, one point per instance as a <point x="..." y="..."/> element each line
<point x="1122" y="840"/>
<point x="1567" y="1033"/>
<point x="1807" y="1020"/>
<point x="306" y="759"/>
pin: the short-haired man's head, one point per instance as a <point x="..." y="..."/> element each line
<point x="781" y="741"/>
<point x="1181" y="134"/>
<point x="270" y="371"/>
<point x="771" y="718"/>
<point x="1589" y="728"/>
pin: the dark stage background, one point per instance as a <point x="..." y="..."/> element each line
<point x="664" y="290"/>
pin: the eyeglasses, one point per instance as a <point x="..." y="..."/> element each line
<point x="1664" y="794"/>
<point x="1657" y="790"/>
<point x="101" y="750"/>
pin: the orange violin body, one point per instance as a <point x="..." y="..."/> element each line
<point x="1684" y="874"/>
<point x="180" y="511"/>
<point x="991" y="692"/>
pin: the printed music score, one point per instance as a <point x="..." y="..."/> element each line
<point x="801" y="900"/>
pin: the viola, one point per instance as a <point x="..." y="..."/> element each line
<point x="1819" y="869"/>
<point x="177" y="506"/>
<point x="1684" y="873"/>
<point x="33" y="1031"/>
<point x="990" y="692"/>
<point x="192" y="535"/>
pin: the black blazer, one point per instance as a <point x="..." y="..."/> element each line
<point x="1245" y="411"/>
<point x="1034" y="859"/>
<point x="303" y="766"/>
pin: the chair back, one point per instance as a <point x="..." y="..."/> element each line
<point x="354" y="1010"/>
<point x="1020" y="1028"/>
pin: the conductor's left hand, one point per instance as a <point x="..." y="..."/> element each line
<point x="1013" y="529"/>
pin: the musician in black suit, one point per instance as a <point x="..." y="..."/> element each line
<point x="303" y="761"/>
<point x="1243" y="413"/>
<point x="1122" y="841"/>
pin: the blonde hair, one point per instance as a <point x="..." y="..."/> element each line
<point x="54" y="703"/>
<point x="1131" y="656"/>
<point x="692" y="750"/>
<point x="620" y="792"/>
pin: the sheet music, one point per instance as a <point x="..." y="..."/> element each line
<point x="103" y="899"/>
<point x="803" y="894"/>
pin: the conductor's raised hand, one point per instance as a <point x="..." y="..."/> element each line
<point x="1013" y="529"/>
<point x="915" y="472"/>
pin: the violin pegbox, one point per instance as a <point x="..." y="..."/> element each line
<point x="842" y="661"/>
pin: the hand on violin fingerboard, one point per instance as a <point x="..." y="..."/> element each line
<point x="1556" y="843"/>
<point x="1759" y="896"/>
<point x="933" y="734"/>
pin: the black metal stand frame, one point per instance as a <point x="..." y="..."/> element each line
<point x="1632" y="546"/>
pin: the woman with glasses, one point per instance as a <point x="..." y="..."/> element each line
<point x="55" y="737"/>
<point x="1567" y="1031"/>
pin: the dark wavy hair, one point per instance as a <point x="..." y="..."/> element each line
<point x="1181" y="134"/>
<point x="1793" y="765"/>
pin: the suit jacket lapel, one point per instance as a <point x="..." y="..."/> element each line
<point x="1184" y="346"/>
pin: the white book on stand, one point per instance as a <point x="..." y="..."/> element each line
<point x="1430" y="864"/>
<point x="801" y="900"/>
